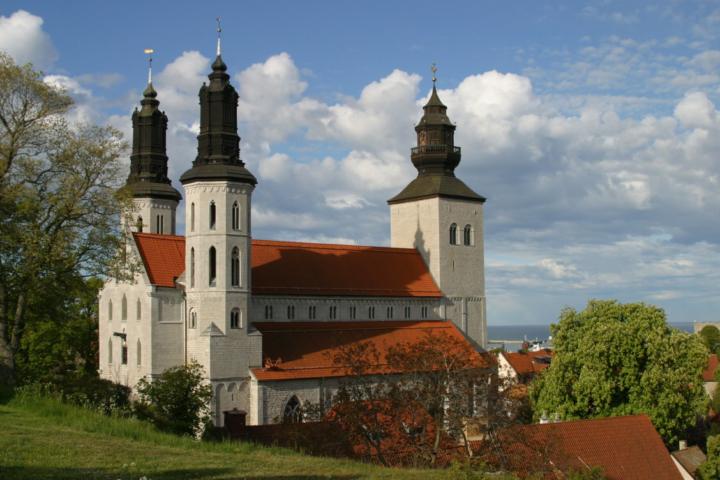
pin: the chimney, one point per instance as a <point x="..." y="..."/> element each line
<point x="682" y="445"/>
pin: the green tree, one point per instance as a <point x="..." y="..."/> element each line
<point x="710" y="470"/>
<point x="177" y="401"/>
<point x="59" y="212"/>
<point x="622" y="359"/>
<point x="710" y="336"/>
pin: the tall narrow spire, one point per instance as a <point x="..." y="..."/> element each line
<point x="435" y="156"/>
<point x="219" y="32"/>
<point x="149" y="52"/>
<point x="148" y="160"/>
<point x="218" y="156"/>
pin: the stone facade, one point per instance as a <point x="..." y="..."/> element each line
<point x="458" y="269"/>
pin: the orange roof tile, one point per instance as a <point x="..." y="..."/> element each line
<point x="626" y="448"/>
<point x="163" y="256"/>
<point x="302" y="350"/>
<point x="712" y="365"/>
<point x="529" y="362"/>
<point x="292" y="268"/>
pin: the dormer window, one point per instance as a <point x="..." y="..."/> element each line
<point x="213" y="215"/>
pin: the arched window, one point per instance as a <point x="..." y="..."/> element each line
<point x="293" y="411"/>
<point x="312" y="312"/>
<point x="139" y="224"/>
<point x="159" y="224"/>
<point x="139" y="353"/>
<point x="123" y="309"/>
<point x="192" y="267"/>
<point x="235" y="319"/>
<point x="212" y="266"/>
<point x="110" y="351"/>
<point x="407" y="312"/>
<point x="235" y="267"/>
<point x="467" y="235"/>
<point x="235" y="216"/>
<point x="268" y="312"/>
<point x="212" y="215"/>
<point x="332" y="313"/>
<point x="193" y="319"/>
<point x="109" y="310"/>
<point x="353" y="312"/>
<point x="453" y="234"/>
<point x="123" y="351"/>
<point x="291" y="312"/>
<point x="371" y="313"/>
<point x="424" y="312"/>
<point x="192" y="217"/>
<point x="138" y="310"/>
<point x="390" y="312"/>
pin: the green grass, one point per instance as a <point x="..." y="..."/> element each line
<point x="46" y="439"/>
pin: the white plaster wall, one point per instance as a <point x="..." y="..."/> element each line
<point x="225" y="353"/>
<point x="149" y="209"/>
<point x="458" y="270"/>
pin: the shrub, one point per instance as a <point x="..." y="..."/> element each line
<point x="177" y="401"/>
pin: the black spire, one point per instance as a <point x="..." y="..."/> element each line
<point x="149" y="161"/>
<point x="218" y="155"/>
<point x="435" y="157"/>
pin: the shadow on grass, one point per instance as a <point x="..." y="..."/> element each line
<point x="49" y="473"/>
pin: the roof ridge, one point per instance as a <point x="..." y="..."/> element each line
<point x="334" y="246"/>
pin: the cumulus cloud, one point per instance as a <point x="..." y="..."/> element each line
<point x="22" y="37"/>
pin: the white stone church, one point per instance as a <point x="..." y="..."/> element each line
<point x="263" y="317"/>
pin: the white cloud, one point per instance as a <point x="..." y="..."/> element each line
<point x="696" y="110"/>
<point x="22" y="36"/>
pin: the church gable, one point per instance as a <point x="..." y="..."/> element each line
<point x="163" y="257"/>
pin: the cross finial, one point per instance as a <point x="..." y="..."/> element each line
<point x="219" y="31"/>
<point x="433" y="69"/>
<point x="149" y="52"/>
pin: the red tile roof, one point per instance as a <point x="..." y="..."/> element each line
<point x="302" y="350"/>
<point x="712" y="365"/>
<point x="292" y="268"/>
<point x="163" y="256"/>
<point x="626" y="448"/>
<point x="530" y="362"/>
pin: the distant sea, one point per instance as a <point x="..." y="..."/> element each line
<point x="539" y="332"/>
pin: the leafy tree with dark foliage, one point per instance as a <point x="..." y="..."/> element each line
<point x="177" y="401"/>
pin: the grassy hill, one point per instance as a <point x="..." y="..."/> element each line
<point x="45" y="439"/>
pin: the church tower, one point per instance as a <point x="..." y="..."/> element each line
<point x="154" y="198"/>
<point x="218" y="191"/>
<point x="442" y="218"/>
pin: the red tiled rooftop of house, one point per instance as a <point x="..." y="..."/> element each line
<point x="293" y="268"/>
<point x="712" y="365"/>
<point x="302" y="350"/>
<point x="525" y="363"/>
<point x="626" y="448"/>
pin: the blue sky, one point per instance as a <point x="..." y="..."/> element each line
<point x="592" y="128"/>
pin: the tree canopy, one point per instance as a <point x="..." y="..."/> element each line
<point x="622" y="359"/>
<point x="710" y="336"/>
<point x="59" y="208"/>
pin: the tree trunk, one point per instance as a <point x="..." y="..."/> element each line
<point x="7" y="359"/>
